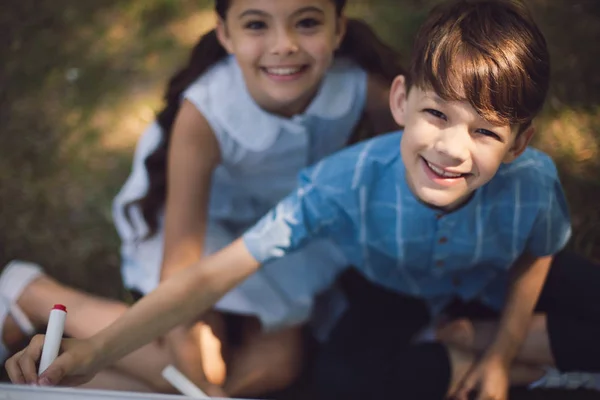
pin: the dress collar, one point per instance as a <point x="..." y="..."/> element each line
<point x="257" y="129"/>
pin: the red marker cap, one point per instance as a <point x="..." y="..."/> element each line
<point x="59" y="307"/>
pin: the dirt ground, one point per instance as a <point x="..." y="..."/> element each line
<point x="80" y="80"/>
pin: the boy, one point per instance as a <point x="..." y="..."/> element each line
<point x="455" y="206"/>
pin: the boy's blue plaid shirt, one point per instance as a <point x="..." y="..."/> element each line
<point x="359" y="198"/>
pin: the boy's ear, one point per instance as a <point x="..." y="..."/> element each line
<point x="520" y="144"/>
<point x="398" y="99"/>
<point x="223" y="35"/>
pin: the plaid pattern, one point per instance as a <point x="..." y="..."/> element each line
<point x="359" y="199"/>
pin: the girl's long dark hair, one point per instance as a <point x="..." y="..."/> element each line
<point x="360" y="44"/>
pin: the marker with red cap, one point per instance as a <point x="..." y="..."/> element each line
<point x="54" y="333"/>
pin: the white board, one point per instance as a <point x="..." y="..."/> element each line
<point x="20" y="392"/>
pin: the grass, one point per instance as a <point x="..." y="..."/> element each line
<point x="81" y="81"/>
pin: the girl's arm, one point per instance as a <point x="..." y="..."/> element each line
<point x="193" y="155"/>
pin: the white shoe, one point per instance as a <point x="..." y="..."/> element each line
<point x="15" y="276"/>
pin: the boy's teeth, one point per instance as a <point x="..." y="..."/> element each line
<point x="284" y="71"/>
<point x="441" y="172"/>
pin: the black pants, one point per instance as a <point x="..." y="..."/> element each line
<point x="370" y="352"/>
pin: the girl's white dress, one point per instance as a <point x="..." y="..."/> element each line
<point x="261" y="156"/>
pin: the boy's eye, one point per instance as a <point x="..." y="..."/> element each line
<point x="436" y="113"/>
<point x="489" y="133"/>
<point x="255" y="25"/>
<point x="308" y="23"/>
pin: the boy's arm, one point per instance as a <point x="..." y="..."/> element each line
<point x="549" y="234"/>
<point x="296" y="220"/>
<point x="490" y="375"/>
<point x="178" y="299"/>
<point x="302" y="216"/>
<point x="311" y="211"/>
<point x="526" y="282"/>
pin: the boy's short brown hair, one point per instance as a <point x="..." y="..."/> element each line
<point x="487" y="52"/>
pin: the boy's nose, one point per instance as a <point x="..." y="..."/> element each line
<point x="284" y="43"/>
<point x="454" y="144"/>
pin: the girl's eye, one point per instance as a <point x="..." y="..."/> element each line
<point x="491" y="134"/>
<point x="436" y="113"/>
<point x="308" y="23"/>
<point x="255" y="25"/>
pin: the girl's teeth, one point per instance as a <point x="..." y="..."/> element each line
<point x="441" y="172"/>
<point x="283" y="71"/>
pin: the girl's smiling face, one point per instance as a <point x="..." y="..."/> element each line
<point x="283" y="47"/>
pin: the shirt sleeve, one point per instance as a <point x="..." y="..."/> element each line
<point x="308" y="213"/>
<point x="552" y="227"/>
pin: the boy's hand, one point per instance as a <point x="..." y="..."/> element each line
<point x="489" y="377"/>
<point x="76" y="364"/>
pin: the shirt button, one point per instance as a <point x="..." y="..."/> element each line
<point x="439" y="216"/>
<point x="439" y="263"/>
<point x="443" y="240"/>
<point x="456" y="281"/>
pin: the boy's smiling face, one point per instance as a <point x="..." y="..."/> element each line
<point x="447" y="148"/>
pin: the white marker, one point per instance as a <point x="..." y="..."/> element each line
<point x="54" y="333"/>
<point x="183" y="384"/>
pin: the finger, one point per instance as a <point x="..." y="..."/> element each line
<point x="467" y="386"/>
<point x="29" y="358"/>
<point x="12" y="369"/>
<point x="56" y="372"/>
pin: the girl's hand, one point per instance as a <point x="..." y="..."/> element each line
<point x="74" y="366"/>
<point x="489" y="377"/>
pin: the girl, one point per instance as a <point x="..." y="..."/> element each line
<point x="275" y="87"/>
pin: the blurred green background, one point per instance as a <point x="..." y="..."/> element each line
<point x="79" y="81"/>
